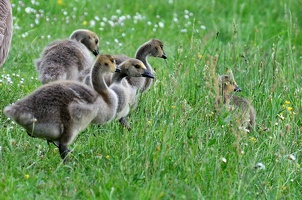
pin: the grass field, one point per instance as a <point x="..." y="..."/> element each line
<point x="178" y="148"/>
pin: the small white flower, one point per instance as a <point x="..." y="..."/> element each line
<point x="291" y="157"/>
<point x="92" y="23"/>
<point x="183" y="30"/>
<point x="29" y="10"/>
<point x="111" y="23"/>
<point x="224" y="160"/>
<point x="161" y="24"/>
<point x="122" y="18"/>
<point x="259" y="166"/>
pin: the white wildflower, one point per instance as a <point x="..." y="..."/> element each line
<point x="259" y="166"/>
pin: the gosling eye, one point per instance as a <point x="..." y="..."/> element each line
<point x="137" y="66"/>
<point x="96" y="41"/>
<point x="112" y="60"/>
<point x="161" y="46"/>
<point x="106" y="64"/>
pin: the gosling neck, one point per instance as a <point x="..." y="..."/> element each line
<point x="97" y="80"/>
<point x="118" y="77"/>
<point x="225" y="96"/>
<point x="142" y="53"/>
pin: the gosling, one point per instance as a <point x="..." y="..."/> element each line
<point x="125" y="92"/>
<point x="154" y="48"/>
<point x="64" y="59"/>
<point x="241" y="106"/>
<point x="6" y="29"/>
<point x="60" y="110"/>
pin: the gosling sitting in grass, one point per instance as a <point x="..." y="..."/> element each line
<point x="244" y="112"/>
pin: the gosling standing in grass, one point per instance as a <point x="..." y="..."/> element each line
<point x="64" y="59"/>
<point x="125" y="92"/>
<point x="58" y="111"/>
<point x="244" y="112"/>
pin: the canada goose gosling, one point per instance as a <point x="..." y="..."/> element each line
<point x="125" y="92"/>
<point x="65" y="59"/>
<point x="154" y="48"/>
<point x="60" y="110"/>
<point x="244" y="110"/>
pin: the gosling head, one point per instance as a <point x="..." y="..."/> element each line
<point x="134" y="68"/>
<point x="228" y="84"/>
<point x="106" y="63"/>
<point x="157" y="49"/>
<point x="88" y="38"/>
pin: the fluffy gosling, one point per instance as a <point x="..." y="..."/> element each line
<point x="154" y="48"/>
<point x="244" y="111"/>
<point x="60" y="110"/>
<point x="64" y="59"/>
<point x="125" y="92"/>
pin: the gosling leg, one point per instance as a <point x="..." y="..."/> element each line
<point x="125" y="123"/>
<point x="63" y="149"/>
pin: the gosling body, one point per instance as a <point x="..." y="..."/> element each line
<point x="64" y="59"/>
<point x="60" y="110"/>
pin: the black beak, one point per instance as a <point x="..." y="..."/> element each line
<point x="118" y="70"/>
<point x="164" y="56"/>
<point x="147" y="74"/>
<point x="95" y="52"/>
<point x="237" y="89"/>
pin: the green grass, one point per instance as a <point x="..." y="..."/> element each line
<point x="178" y="147"/>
